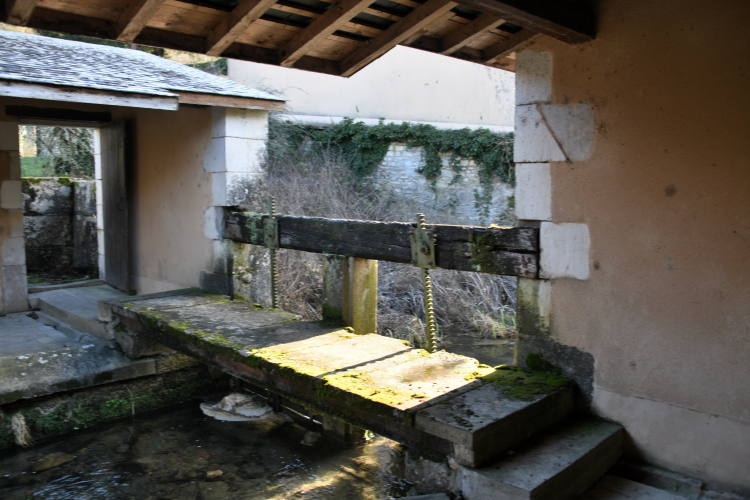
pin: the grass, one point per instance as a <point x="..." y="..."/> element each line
<point x="36" y="166"/>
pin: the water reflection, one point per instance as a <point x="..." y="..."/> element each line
<point x="181" y="454"/>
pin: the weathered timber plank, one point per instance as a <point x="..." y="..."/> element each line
<point x="510" y="251"/>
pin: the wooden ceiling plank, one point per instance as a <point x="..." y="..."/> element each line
<point x="231" y="27"/>
<point x="571" y="21"/>
<point x="404" y="29"/>
<point x="466" y="34"/>
<point x="135" y="17"/>
<point x="19" y="11"/>
<point x="333" y="18"/>
<point x="515" y="42"/>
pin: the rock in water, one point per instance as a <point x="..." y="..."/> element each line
<point x="52" y="460"/>
<point x="237" y="407"/>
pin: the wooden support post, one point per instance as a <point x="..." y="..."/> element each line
<point x="350" y="290"/>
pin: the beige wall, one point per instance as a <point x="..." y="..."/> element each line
<point x="187" y="164"/>
<point x="170" y="192"/>
<point x="665" y="197"/>
<point x="404" y="84"/>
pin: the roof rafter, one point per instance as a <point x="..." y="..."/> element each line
<point x="571" y="21"/>
<point x="403" y="30"/>
<point x="232" y="26"/>
<point x="503" y="49"/>
<point x="19" y="11"/>
<point x="470" y="32"/>
<point x="333" y="18"/>
<point x="134" y="19"/>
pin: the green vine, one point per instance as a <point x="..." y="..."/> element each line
<point x="363" y="148"/>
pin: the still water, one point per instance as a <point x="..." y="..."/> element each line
<point x="182" y="454"/>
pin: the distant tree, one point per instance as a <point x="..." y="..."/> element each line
<point x="71" y="150"/>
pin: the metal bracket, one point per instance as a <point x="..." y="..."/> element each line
<point x="422" y="247"/>
<point x="271" y="232"/>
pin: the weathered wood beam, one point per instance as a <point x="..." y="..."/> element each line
<point x="230" y="101"/>
<point x="511" y="251"/>
<point x="232" y="26"/>
<point x="19" y="11"/>
<point x="333" y="18"/>
<point x="402" y="30"/>
<point x="571" y="21"/>
<point x="469" y="32"/>
<point x="135" y="17"/>
<point x="503" y="49"/>
<point x="72" y="24"/>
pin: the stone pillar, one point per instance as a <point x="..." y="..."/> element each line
<point x="235" y="162"/>
<point x="350" y="289"/>
<point x="548" y="138"/>
<point x="13" y="289"/>
<point x="99" y="195"/>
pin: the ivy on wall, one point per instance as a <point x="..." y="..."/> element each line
<point x="363" y="148"/>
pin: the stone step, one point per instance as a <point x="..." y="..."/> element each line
<point x="612" y="487"/>
<point x="485" y="422"/>
<point x="76" y="306"/>
<point x="558" y="465"/>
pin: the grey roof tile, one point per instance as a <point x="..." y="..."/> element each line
<point x="39" y="59"/>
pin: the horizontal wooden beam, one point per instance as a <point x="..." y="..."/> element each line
<point x="571" y="21"/>
<point x="401" y="31"/>
<point x="334" y="18"/>
<point x="76" y="115"/>
<point x="228" y="101"/>
<point x="12" y="88"/>
<point x="135" y="17"/>
<point x="72" y="24"/>
<point x="469" y="32"/>
<point x="505" y="48"/>
<point x="510" y="251"/>
<point x="232" y="26"/>
<point x="19" y="11"/>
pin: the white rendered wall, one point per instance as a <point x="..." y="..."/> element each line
<point x="405" y="84"/>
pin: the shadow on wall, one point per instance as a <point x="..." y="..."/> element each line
<point x="59" y="219"/>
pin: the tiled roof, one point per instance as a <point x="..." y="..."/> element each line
<point x="52" y="61"/>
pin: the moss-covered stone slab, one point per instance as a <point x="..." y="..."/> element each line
<point x="510" y="406"/>
<point x="371" y="381"/>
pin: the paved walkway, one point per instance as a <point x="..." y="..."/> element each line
<point x="20" y="334"/>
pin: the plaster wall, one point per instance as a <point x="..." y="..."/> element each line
<point x="404" y="84"/>
<point x="169" y="193"/>
<point x="663" y="195"/>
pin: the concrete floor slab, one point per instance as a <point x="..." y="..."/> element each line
<point x="616" y="488"/>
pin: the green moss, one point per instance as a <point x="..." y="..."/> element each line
<point x="66" y="181"/>
<point x="10" y="397"/>
<point x="483" y="255"/>
<point x="538" y="363"/>
<point x="523" y="384"/>
<point x="332" y="316"/>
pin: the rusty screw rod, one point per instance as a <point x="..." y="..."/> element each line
<point x="274" y="267"/>
<point x="430" y="334"/>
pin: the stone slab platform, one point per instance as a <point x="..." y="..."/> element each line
<point x="443" y="402"/>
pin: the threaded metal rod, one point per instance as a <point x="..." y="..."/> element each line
<point x="430" y="329"/>
<point x="274" y="267"/>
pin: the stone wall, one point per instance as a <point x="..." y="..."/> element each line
<point x="453" y="200"/>
<point x="59" y="224"/>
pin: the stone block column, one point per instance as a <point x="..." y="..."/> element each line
<point x="548" y="138"/>
<point x="235" y="162"/>
<point x="13" y="289"/>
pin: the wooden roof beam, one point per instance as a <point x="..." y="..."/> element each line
<point x="232" y="26"/>
<point x="134" y="19"/>
<point x="571" y="21"/>
<point x="505" y="48"/>
<point x="401" y="31"/>
<point x="468" y="33"/>
<point x="19" y="11"/>
<point x="331" y="20"/>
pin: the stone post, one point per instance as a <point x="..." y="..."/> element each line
<point x="13" y="289"/>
